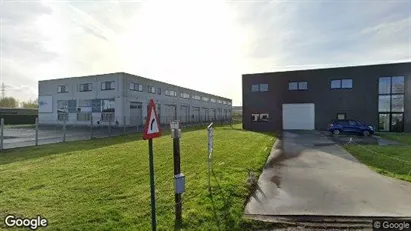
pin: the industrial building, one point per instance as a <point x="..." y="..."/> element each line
<point x="378" y="95"/>
<point x="122" y="99"/>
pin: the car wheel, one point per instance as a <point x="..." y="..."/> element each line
<point x="365" y="133"/>
<point x="336" y="132"/>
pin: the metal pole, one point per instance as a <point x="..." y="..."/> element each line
<point x="177" y="171"/>
<point x="153" y="196"/>
<point x="64" y="131"/>
<point x="91" y="127"/>
<point x="109" y="127"/>
<point x="37" y="131"/>
<point x="2" y="133"/>
<point x="124" y="125"/>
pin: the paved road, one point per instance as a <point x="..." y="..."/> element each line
<point x="307" y="174"/>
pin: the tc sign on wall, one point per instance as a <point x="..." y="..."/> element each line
<point x="263" y="117"/>
<point x="46" y="103"/>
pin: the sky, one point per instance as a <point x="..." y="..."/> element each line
<point x="204" y="45"/>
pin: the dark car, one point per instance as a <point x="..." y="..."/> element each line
<point x="337" y="127"/>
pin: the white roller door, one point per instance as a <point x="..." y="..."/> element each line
<point x="299" y="116"/>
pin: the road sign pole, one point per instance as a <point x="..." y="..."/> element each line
<point x="177" y="171"/>
<point x="152" y="130"/>
<point x="153" y="196"/>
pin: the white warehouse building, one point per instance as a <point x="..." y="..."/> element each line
<point x="122" y="98"/>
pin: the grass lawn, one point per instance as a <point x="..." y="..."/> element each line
<point x="103" y="184"/>
<point x="404" y="138"/>
<point x="393" y="161"/>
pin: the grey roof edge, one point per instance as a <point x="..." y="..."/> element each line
<point x="332" y="66"/>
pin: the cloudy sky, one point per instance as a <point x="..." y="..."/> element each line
<point x="201" y="44"/>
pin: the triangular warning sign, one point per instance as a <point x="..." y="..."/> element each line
<point x="152" y="128"/>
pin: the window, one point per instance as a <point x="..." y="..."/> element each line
<point x="352" y="123"/>
<point x="213" y="100"/>
<point x="255" y="87"/>
<point x="107" y="117"/>
<point x="229" y="103"/>
<point x="196" y="97"/>
<point x="205" y="99"/>
<point x="151" y="89"/>
<point x="108" y="105"/>
<point x="384" y="103"/>
<point x="219" y="101"/>
<point x="293" y="86"/>
<point x="62" y="110"/>
<point x="184" y="95"/>
<point x="263" y="87"/>
<point x="302" y="85"/>
<point x="62" y="106"/>
<point x="62" y="116"/>
<point x="136" y="87"/>
<point x="170" y="93"/>
<point x="108" y="85"/>
<point x="397" y="103"/>
<point x="259" y="87"/>
<point x="62" y="89"/>
<point x="86" y="103"/>
<point x="224" y="102"/>
<point x="335" y="84"/>
<point x="85" y="87"/>
<point x="341" y="116"/>
<point x="346" y="83"/>
<point x="391" y="104"/>
<point x="384" y="85"/>
<point x="84" y="116"/>
<point x="397" y="85"/>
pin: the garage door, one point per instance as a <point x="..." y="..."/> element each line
<point x="298" y="116"/>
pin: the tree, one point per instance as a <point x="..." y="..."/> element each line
<point x="9" y="102"/>
<point x="30" y="104"/>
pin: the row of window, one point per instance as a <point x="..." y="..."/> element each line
<point x="303" y="85"/>
<point x="259" y="87"/>
<point x="110" y="85"/>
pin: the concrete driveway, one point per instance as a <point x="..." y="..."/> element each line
<point x="308" y="174"/>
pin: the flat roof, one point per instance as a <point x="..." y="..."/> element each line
<point x="113" y="73"/>
<point x="331" y="67"/>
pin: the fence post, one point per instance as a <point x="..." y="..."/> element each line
<point x="37" y="131"/>
<point x="124" y="125"/>
<point x="91" y="128"/>
<point x="109" y="127"/>
<point x="64" y="131"/>
<point x="2" y="133"/>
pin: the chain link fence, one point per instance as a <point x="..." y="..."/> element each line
<point x="87" y="126"/>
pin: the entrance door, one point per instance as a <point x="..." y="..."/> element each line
<point x="206" y="114"/>
<point x="184" y="113"/>
<point x="196" y="114"/>
<point x="136" y="113"/>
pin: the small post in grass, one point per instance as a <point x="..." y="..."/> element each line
<point x="2" y="133"/>
<point x="37" y="131"/>
<point x="152" y="130"/>
<point x="91" y="127"/>
<point x="210" y="153"/>
<point x="64" y="131"/>
<point x="124" y="125"/>
<point x="179" y="180"/>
